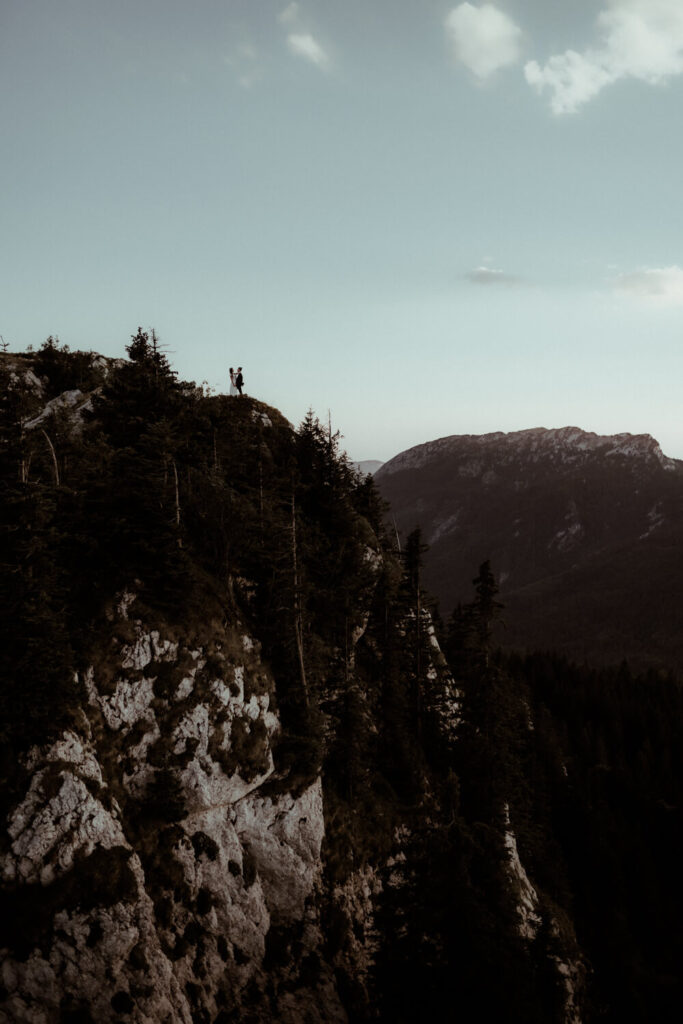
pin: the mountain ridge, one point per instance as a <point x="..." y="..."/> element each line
<point x="559" y="512"/>
<point x="542" y="440"/>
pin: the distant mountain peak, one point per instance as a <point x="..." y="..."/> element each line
<point x="368" y="466"/>
<point x="583" y="530"/>
<point x="562" y="444"/>
<point x="573" y="440"/>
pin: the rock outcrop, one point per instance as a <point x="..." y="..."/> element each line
<point x="154" y="868"/>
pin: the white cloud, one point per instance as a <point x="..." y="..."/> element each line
<point x="657" y="286"/>
<point x="308" y="48"/>
<point x="640" y="39"/>
<point x="483" y="38"/>
<point x="289" y="13"/>
<point x="572" y="78"/>
<point x="489" y="276"/>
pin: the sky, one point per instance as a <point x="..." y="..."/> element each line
<point x="422" y="218"/>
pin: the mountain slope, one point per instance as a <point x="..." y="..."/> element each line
<point x="239" y="779"/>
<point x="583" y="531"/>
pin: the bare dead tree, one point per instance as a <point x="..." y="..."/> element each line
<point x="54" y="456"/>
<point x="177" y="502"/>
<point x="298" y="615"/>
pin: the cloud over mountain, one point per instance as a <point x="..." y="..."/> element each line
<point x="483" y="38"/>
<point x="640" y="39"/>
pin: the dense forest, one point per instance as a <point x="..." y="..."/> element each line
<point x="418" y="725"/>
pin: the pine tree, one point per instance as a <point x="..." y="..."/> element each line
<point x="486" y="609"/>
<point x="412" y="560"/>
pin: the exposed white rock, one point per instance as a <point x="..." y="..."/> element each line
<point x="185" y="687"/>
<point x="443" y="696"/>
<point x="205" y="782"/>
<point x="26" y="379"/>
<point x="67" y="400"/>
<point x="572" y="974"/>
<point x="147" y="647"/>
<point x="527" y="897"/>
<point x="221" y="691"/>
<point x="128" y="704"/>
<point x="194" y="725"/>
<point x="655" y="518"/>
<point x="123" y="602"/>
<point x="239" y="681"/>
<point x="359" y="629"/>
<point x="235" y="861"/>
<point x="91" y="961"/>
<point x="239" y="911"/>
<point x="431" y="634"/>
<point x="70" y="748"/>
<point x="47" y="832"/>
<point x="59" y="816"/>
<point x="284" y="838"/>
<point x="138" y="776"/>
<point x="106" y="364"/>
<point x="261" y="417"/>
<point x="373" y="557"/>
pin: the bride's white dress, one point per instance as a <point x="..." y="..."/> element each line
<point x="233" y="389"/>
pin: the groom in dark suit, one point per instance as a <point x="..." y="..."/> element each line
<point x="239" y="379"/>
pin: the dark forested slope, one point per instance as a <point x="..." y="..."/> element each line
<point x="585" y="532"/>
<point x="247" y="776"/>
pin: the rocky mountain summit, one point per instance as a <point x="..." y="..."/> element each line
<point x="584" y="532"/>
<point x="246" y="776"/>
<point x="566" y="445"/>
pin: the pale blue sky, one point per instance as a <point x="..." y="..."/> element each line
<point x="430" y="218"/>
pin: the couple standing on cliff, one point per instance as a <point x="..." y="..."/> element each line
<point x="236" y="381"/>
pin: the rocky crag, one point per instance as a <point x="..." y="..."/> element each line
<point x="146" y="866"/>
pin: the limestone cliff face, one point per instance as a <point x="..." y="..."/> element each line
<point x="155" y="873"/>
<point x="149" y="870"/>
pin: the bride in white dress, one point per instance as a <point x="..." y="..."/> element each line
<point x="233" y="387"/>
